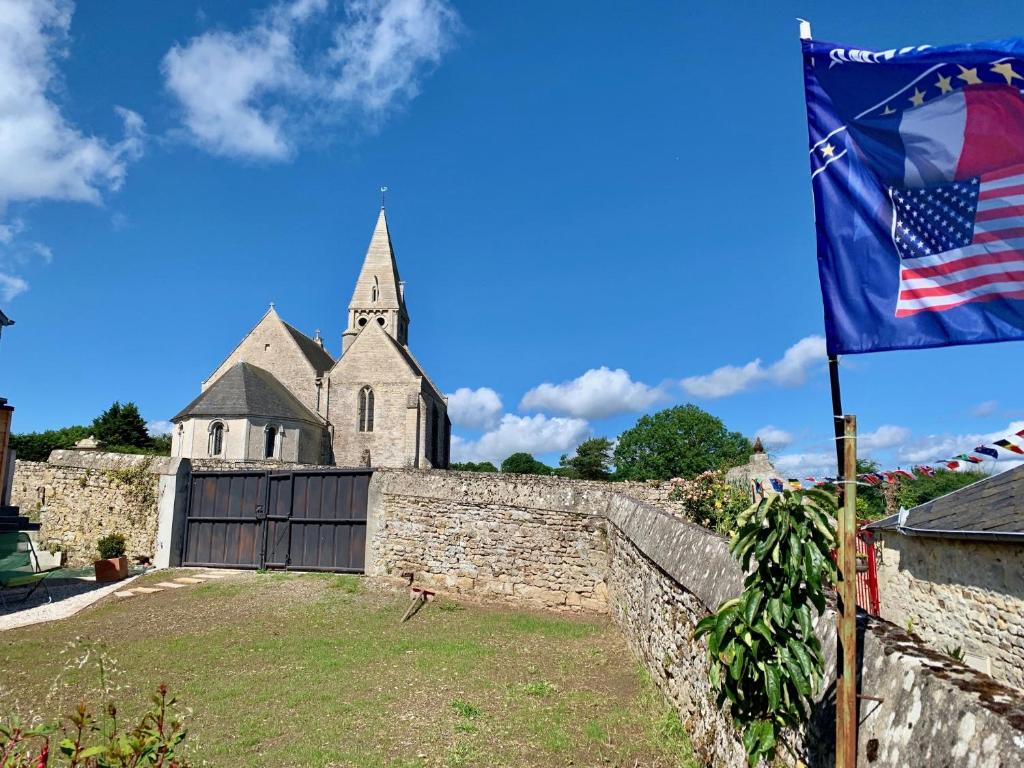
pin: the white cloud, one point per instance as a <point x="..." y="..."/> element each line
<point x="790" y="371"/>
<point x="533" y="434"/>
<point x="886" y="436"/>
<point x="43" y="156"/>
<point x="251" y="93"/>
<point x="159" y="427"/>
<point x="800" y="465"/>
<point x="944" y="446"/>
<point x="11" y="286"/>
<point x="773" y="437"/>
<point x="474" y="408"/>
<point x="598" y="393"/>
<point x="986" y="408"/>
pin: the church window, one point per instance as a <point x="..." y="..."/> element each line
<point x="362" y="322"/>
<point x="375" y="291"/>
<point x="366" y="409"/>
<point x="381" y="321"/>
<point x="216" y="438"/>
<point x="270" y="443"/>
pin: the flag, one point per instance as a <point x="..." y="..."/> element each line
<point x="917" y="167"/>
<point x="776" y="485"/>
<point x="1006" y="445"/>
<point x="985" y="450"/>
<point x="953" y="464"/>
<point x="924" y="470"/>
<point x="795" y="484"/>
<point x="889" y="477"/>
<point x="870" y="479"/>
<point x="1020" y="433"/>
<point x="970" y="459"/>
<point x="905" y="473"/>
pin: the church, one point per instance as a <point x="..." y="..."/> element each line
<point x="281" y="397"/>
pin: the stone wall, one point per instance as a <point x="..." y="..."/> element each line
<point x="79" y="496"/>
<point x="583" y="546"/>
<point x="958" y="594"/>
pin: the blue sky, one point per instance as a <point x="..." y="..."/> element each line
<point x="596" y="206"/>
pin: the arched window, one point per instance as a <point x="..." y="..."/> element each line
<point x="216" y="438"/>
<point x="375" y="291"/>
<point x="366" y="410"/>
<point x="270" y="443"/>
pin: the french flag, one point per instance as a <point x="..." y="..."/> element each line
<point x="958" y="198"/>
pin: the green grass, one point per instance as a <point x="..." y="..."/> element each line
<point x="316" y="670"/>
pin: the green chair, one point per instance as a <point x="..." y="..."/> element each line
<point x="19" y="566"/>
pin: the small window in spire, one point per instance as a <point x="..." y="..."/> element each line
<point x="375" y="292"/>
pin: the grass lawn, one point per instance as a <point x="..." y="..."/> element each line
<point x="315" y="670"/>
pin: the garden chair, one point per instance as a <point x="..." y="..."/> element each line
<point x="19" y="566"/>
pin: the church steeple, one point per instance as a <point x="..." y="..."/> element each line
<point x="379" y="294"/>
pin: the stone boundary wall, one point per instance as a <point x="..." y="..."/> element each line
<point x="658" y="574"/>
<point x="958" y="594"/>
<point x="79" y="496"/>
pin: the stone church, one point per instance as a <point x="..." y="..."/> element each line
<point x="281" y="396"/>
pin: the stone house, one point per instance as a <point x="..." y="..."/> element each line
<point x="281" y="396"/>
<point x="952" y="570"/>
<point x="755" y="477"/>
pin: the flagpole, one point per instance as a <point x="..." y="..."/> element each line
<point x="837" y="420"/>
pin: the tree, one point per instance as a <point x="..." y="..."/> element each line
<point x="121" y="425"/>
<point x="678" y="442"/>
<point x="469" y="466"/>
<point x="524" y="464"/>
<point x="36" y="446"/>
<point x="592" y="460"/>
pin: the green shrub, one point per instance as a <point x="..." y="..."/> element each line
<point x="111" y="545"/>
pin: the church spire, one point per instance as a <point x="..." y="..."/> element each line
<point x="379" y="294"/>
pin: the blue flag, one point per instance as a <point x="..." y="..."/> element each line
<point x="917" y="166"/>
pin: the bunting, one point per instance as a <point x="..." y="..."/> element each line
<point x="925" y="470"/>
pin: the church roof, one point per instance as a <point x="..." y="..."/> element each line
<point x="379" y="270"/>
<point x="245" y="390"/>
<point x="318" y="357"/>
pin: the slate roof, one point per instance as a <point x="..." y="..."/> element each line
<point x="245" y="390"/>
<point x="991" y="509"/>
<point x="317" y="355"/>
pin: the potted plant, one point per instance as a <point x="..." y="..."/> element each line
<point x="112" y="565"/>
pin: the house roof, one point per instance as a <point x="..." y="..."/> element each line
<point x="245" y="390"/>
<point x="991" y="509"/>
<point x="318" y="357"/>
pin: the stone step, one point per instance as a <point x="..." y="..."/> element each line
<point x="170" y="585"/>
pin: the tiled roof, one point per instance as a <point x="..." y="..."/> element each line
<point x="317" y="355"/>
<point x="245" y="390"/>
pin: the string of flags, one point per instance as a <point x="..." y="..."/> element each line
<point x="926" y="470"/>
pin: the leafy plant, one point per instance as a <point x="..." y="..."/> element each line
<point x="85" y="741"/>
<point x="592" y="460"/>
<point x="956" y="652"/>
<point x="764" y="658"/>
<point x="709" y="500"/>
<point x="465" y="709"/>
<point x="524" y="464"/>
<point x="110" y="546"/>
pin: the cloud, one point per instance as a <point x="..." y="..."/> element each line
<point x="986" y="408"/>
<point x="252" y="93"/>
<point x="886" y="436"/>
<point x="474" y="408"/>
<point x="773" y="437"/>
<point x="598" y="393"/>
<point x="944" y="446"/>
<point x="533" y="434"/>
<point x="159" y="427"/>
<point x="42" y="155"/>
<point x="800" y="465"/>
<point x="789" y="371"/>
<point x="11" y="286"/>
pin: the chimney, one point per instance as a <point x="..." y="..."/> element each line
<point x="319" y="339"/>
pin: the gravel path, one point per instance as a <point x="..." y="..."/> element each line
<point x="61" y="607"/>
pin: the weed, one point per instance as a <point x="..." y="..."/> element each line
<point x="594" y="731"/>
<point x="956" y="652"/>
<point x="347" y="583"/>
<point x="465" y="709"/>
<point x="458" y="755"/>
<point x="449" y="607"/>
<point x="539" y="688"/>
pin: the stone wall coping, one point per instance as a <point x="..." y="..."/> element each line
<point x="693" y="556"/>
<point x="103" y="460"/>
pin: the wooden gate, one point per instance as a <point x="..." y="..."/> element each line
<point x="304" y="520"/>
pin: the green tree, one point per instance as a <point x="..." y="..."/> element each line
<point x="924" y="488"/>
<point x="678" y="442"/>
<point x="469" y="466"/>
<point x="524" y="464"/>
<point x="592" y="460"/>
<point x="122" y="425"/>
<point x="36" y="446"/>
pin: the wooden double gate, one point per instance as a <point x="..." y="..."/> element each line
<point x="304" y="520"/>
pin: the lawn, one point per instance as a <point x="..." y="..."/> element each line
<point x="316" y="670"/>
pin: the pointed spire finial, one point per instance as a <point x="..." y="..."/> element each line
<point x="271" y="305"/>
<point x="383" y="191"/>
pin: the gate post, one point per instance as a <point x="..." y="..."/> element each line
<point x="172" y="508"/>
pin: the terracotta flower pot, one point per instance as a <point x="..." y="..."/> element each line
<point x="112" y="569"/>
